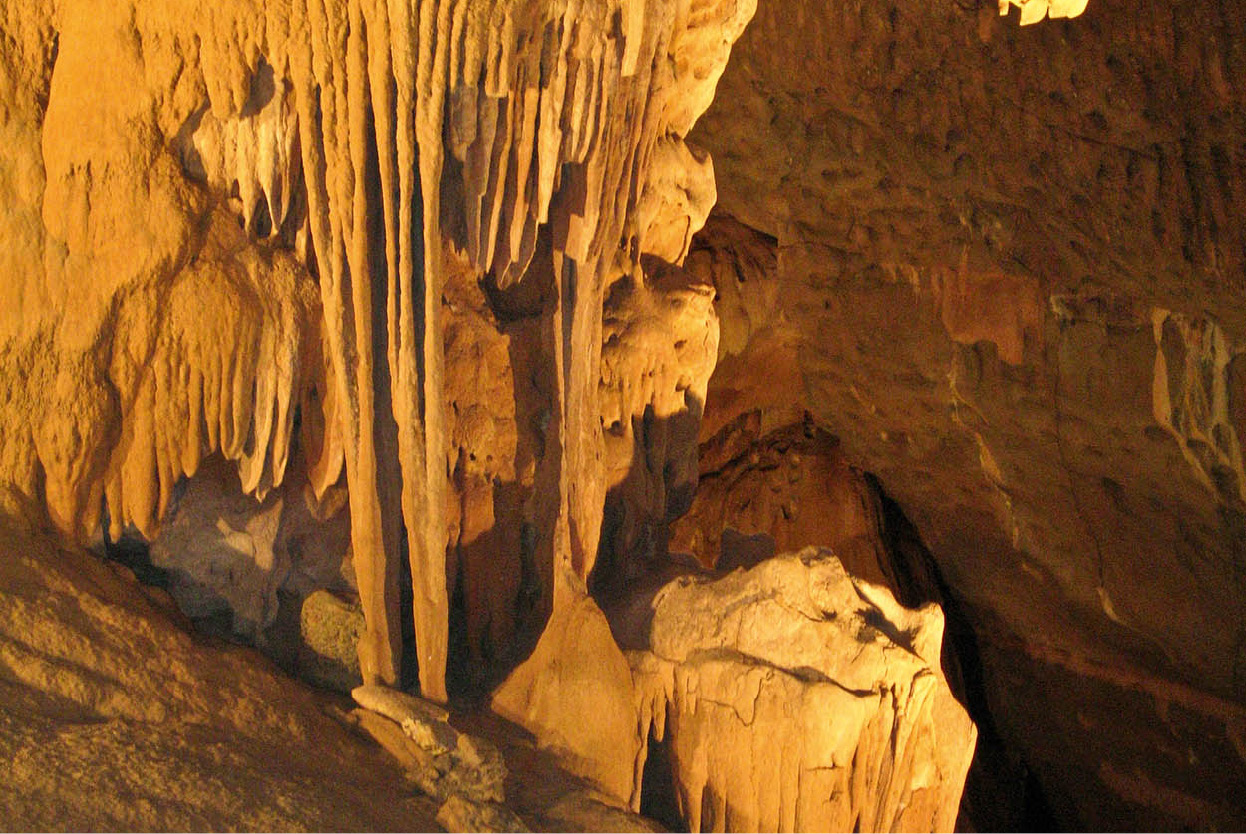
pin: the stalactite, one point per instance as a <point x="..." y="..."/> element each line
<point x="489" y="83"/>
<point x="363" y="138"/>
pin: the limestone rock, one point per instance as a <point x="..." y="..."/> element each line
<point x="446" y="763"/>
<point x="329" y="631"/>
<point x="1032" y="11"/>
<point x="219" y="551"/>
<point x="545" y="795"/>
<point x="224" y="230"/>
<point x="458" y="813"/>
<point x="113" y="717"/>
<point x="995" y="360"/>
<point x="228" y="556"/>
<point x="496" y="391"/>
<point x="246" y="239"/>
<point x="789" y="489"/>
<point x="676" y="201"/>
<point x="425" y="723"/>
<point x="582" y="811"/>
<point x="792" y="697"/>
<point x="659" y="346"/>
<point x="575" y="695"/>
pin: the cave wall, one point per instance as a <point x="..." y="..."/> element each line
<point x="1001" y="265"/>
<point x="241" y="229"/>
<point x="1004" y="267"/>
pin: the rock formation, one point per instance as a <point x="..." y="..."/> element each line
<point x="1015" y="297"/>
<point x="114" y="717"/>
<point x="250" y="243"/>
<point x="453" y="763"/>
<point x="765" y="494"/>
<point x="398" y="337"/>
<point x="309" y="176"/>
<point x="794" y="698"/>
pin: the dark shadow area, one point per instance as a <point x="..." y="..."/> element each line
<point x="634" y="544"/>
<point x="133" y="552"/>
<point x="410" y="660"/>
<point x="1001" y="793"/>
<point x="504" y="487"/>
<point x="658" y="799"/>
<point x="389" y="474"/>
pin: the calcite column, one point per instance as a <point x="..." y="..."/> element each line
<point x="348" y="149"/>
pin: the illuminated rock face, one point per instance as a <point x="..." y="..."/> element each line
<point x="434" y="266"/>
<point x="1015" y="296"/>
<point x="792" y="697"/>
<point x="378" y="234"/>
<point x="223" y="217"/>
<point x="112" y="717"/>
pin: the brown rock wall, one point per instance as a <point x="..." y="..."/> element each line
<point x="995" y="251"/>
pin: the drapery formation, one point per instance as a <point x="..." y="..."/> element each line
<point x="479" y="123"/>
<point x="361" y="141"/>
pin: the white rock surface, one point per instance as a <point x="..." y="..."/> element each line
<point x="794" y="698"/>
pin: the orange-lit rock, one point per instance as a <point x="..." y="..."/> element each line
<point x="660" y="342"/>
<point x="101" y="686"/>
<point x="790" y="489"/>
<point x="792" y="697"/>
<point x="575" y="694"/>
<point x="993" y="284"/>
<point x="225" y="217"/>
<point x="314" y="176"/>
<point x="441" y="278"/>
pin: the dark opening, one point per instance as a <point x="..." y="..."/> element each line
<point x="658" y="800"/>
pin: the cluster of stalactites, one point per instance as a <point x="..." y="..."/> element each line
<point x="256" y="160"/>
<point x="225" y="369"/>
<point x="473" y="122"/>
<point x="360" y="138"/>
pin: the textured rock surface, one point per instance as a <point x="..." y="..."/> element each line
<point x="459" y="814"/>
<point x="219" y="550"/>
<point x="329" y="632"/>
<point x="272" y="149"/>
<point x="544" y="794"/>
<point x="445" y="762"/>
<point x="575" y="694"/>
<point x="794" y="698"/>
<point x="789" y="489"/>
<point x="252" y="240"/>
<point x="114" y="717"/>
<point x="994" y="286"/>
<point x="429" y="254"/>
<point x="660" y="342"/>
<point x="469" y="777"/>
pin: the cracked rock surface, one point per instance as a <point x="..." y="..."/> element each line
<point x="791" y="697"/>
